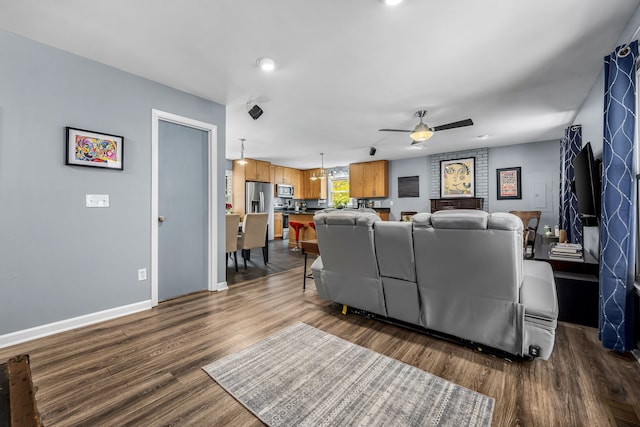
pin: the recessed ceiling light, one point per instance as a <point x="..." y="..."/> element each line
<point x="483" y="136"/>
<point x="392" y="2"/>
<point x="267" y="64"/>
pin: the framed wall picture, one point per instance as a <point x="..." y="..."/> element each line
<point x="509" y="185"/>
<point x="458" y="178"/>
<point x="408" y="186"/>
<point x="88" y="148"/>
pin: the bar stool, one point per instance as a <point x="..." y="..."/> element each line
<point x="296" y="226"/>
<point x="312" y="224"/>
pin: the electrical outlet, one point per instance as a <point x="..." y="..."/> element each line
<point x="142" y="274"/>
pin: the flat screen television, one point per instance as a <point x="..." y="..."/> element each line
<point x="587" y="186"/>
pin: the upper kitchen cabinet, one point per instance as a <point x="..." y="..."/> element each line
<point x="285" y="175"/>
<point x="369" y="179"/>
<point x="255" y="170"/>
<point x="313" y="188"/>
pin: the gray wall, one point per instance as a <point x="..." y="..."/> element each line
<point x="540" y="163"/>
<point x="58" y="259"/>
<point x="418" y="166"/>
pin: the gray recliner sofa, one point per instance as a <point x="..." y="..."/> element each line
<point x="459" y="272"/>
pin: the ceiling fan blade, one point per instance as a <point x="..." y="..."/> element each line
<point x="459" y="124"/>
<point x="394" y="130"/>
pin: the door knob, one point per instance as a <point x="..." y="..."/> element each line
<point x="161" y="219"/>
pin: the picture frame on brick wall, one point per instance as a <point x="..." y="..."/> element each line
<point x="458" y="178"/>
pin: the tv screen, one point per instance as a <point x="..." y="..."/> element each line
<point x="587" y="178"/>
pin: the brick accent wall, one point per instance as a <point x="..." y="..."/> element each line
<point x="482" y="172"/>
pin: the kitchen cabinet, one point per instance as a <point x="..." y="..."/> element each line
<point x="289" y="176"/>
<point x="277" y="225"/>
<point x="314" y="189"/>
<point x="256" y="170"/>
<point x="383" y="215"/>
<point x="284" y="175"/>
<point x="297" y="182"/>
<point x="369" y="179"/>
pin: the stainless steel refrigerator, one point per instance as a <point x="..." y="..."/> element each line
<point x="259" y="198"/>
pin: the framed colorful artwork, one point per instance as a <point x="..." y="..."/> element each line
<point x="88" y="148"/>
<point x="458" y="178"/>
<point x="508" y="181"/>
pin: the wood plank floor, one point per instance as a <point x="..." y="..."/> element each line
<point x="145" y="369"/>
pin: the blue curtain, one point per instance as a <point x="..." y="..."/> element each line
<point x="617" y="232"/>
<point x="569" y="148"/>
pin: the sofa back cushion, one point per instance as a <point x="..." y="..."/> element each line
<point x="469" y="251"/>
<point x="394" y="249"/>
<point x="345" y="240"/>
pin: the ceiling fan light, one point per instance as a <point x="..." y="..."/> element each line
<point x="421" y="132"/>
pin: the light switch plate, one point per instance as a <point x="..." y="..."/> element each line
<point x="97" y="201"/>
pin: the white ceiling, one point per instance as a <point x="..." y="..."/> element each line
<point x="346" y="68"/>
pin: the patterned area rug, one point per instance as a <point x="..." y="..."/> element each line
<point x="305" y="377"/>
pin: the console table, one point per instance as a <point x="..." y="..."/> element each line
<point x="577" y="285"/>
<point x="456" y="203"/>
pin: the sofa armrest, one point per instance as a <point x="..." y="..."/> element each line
<point x="538" y="291"/>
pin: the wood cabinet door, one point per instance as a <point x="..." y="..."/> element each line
<point x="278" y="174"/>
<point x="250" y="170"/>
<point x="277" y="225"/>
<point x="297" y="182"/>
<point x="356" y="180"/>
<point x="263" y="171"/>
<point x="377" y="179"/>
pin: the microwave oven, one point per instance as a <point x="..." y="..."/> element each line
<point x="285" y="191"/>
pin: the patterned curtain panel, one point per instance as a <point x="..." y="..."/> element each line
<point x="617" y="228"/>
<point x="569" y="219"/>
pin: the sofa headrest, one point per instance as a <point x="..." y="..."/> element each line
<point x="505" y="221"/>
<point x="467" y="219"/>
<point x="346" y="217"/>
<point x="421" y="220"/>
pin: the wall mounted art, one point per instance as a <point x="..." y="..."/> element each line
<point x="457" y="177"/>
<point x="509" y="186"/>
<point x="88" y="148"/>
<point x="408" y="186"/>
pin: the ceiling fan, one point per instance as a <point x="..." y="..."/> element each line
<point x="422" y="132"/>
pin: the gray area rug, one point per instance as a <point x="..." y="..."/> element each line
<point x="302" y="376"/>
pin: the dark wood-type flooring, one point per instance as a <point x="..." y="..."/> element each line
<point x="145" y="369"/>
<point x="280" y="259"/>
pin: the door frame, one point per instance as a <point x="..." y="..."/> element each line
<point x="212" y="131"/>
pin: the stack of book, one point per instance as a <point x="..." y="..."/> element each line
<point x="566" y="251"/>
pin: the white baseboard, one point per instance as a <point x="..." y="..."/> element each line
<point x="73" y="323"/>
<point x="222" y="286"/>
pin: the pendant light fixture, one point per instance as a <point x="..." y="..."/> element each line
<point x="322" y="174"/>
<point x="242" y="161"/>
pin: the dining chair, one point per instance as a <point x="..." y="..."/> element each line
<point x="530" y="221"/>
<point x="253" y="235"/>
<point x="233" y="222"/>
